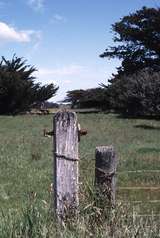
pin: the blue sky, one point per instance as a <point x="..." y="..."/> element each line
<point x="64" y="38"/>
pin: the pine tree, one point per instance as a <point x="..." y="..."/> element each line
<point x="137" y="38"/>
<point x="18" y="91"/>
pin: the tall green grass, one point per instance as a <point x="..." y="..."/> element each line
<point x="26" y="174"/>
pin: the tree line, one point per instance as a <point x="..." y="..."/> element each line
<point x="135" y="89"/>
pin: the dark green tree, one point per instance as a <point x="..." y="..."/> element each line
<point x="18" y="91"/>
<point x="136" y="94"/>
<point x="74" y="97"/>
<point x="89" y="98"/>
<point x="137" y="38"/>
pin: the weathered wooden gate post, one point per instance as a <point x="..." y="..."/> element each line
<point x="105" y="169"/>
<point x="65" y="164"/>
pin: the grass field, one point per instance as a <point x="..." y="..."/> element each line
<point x="26" y="174"/>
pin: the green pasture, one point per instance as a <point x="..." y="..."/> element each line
<point x="26" y="165"/>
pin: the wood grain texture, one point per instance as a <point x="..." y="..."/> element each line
<point x="105" y="169"/>
<point x="65" y="164"/>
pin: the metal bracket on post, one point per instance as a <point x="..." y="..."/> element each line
<point x="81" y="132"/>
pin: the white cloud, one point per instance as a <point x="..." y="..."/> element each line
<point x="60" y="75"/>
<point x="37" y="5"/>
<point x="34" y="46"/>
<point x="69" y="70"/>
<point x="10" y="34"/>
<point x="68" y="81"/>
<point x="75" y="76"/>
<point x="63" y="76"/>
<point x="57" y="18"/>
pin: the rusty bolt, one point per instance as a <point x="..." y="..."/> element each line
<point x="81" y="132"/>
<point x="48" y="133"/>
